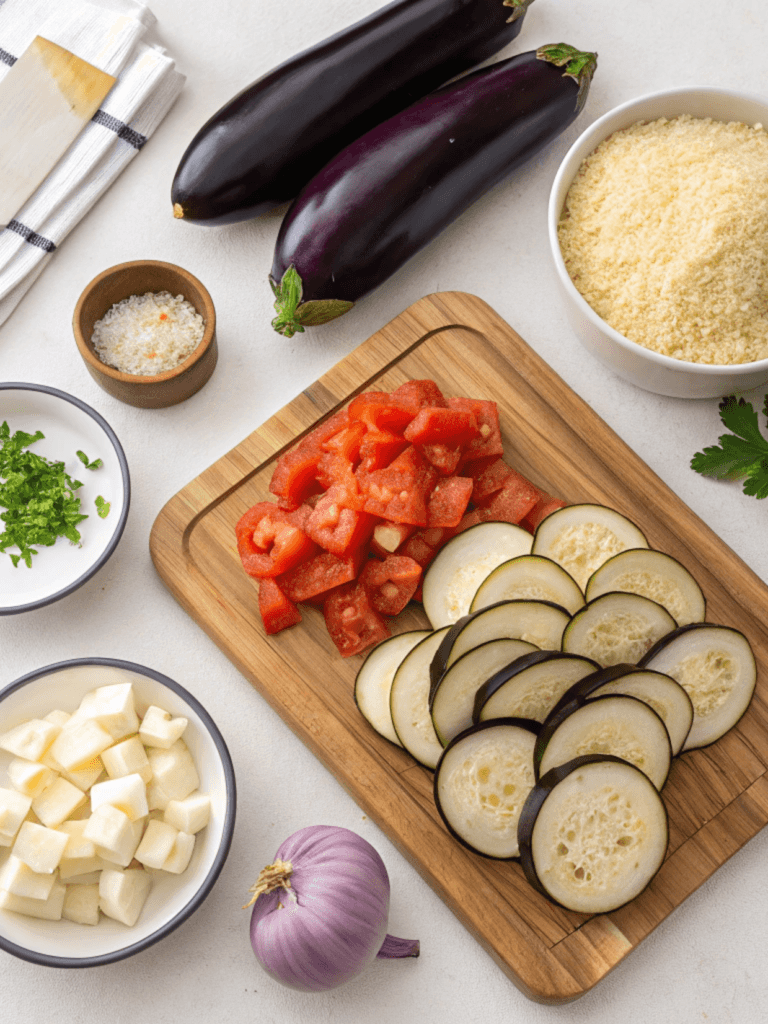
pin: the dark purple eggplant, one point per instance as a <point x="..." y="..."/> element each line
<point x="390" y="192"/>
<point x="263" y="146"/>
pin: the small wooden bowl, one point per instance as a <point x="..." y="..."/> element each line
<point x="137" y="278"/>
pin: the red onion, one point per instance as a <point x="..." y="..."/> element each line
<point x="320" y="913"/>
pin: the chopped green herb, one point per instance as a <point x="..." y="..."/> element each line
<point x="102" y="507"/>
<point x="743" y="454"/>
<point x="96" y="464"/>
<point x="39" y="497"/>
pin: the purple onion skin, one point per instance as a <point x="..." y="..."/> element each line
<point x="332" y="923"/>
<point x="262" y="146"/>
<point x="392" y="191"/>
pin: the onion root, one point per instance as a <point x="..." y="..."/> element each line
<point x="274" y="876"/>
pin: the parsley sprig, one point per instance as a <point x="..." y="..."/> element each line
<point x="742" y="454"/>
<point x="39" y="497"/>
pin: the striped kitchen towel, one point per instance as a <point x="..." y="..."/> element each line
<point x="109" y="36"/>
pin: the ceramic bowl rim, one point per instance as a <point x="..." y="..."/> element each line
<point x="124" y="472"/>
<point x="51" y="960"/>
<point x="568" y="168"/>
<point x="134" y="378"/>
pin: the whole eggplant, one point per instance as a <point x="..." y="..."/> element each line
<point x="394" y="189"/>
<point x="263" y="146"/>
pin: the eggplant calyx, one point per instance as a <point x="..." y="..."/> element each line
<point x="519" y="7"/>
<point x="293" y="315"/>
<point x="580" y="65"/>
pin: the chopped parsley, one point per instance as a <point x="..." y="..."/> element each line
<point x="39" y="497"/>
<point x="102" y="507"/>
<point x="742" y="454"/>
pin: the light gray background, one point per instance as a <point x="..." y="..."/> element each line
<point x="707" y="962"/>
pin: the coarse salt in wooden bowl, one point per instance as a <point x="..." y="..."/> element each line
<point x="137" y="278"/>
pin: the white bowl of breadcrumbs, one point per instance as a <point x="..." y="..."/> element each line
<point x="658" y="224"/>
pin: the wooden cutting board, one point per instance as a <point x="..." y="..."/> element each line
<point x="717" y="797"/>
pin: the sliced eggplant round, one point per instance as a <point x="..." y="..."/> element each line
<point x="454" y="698"/>
<point x="481" y="784"/>
<point x="529" y="577"/>
<point x="531" y="686"/>
<point x="614" y="724"/>
<point x="409" y="702"/>
<point x="667" y="698"/>
<point x="537" y="622"/>
<point x="592" y="834"/>
<point x="581" y="537"/>
<point x="373" y="683"/>
<point x="652" y="574"/>
<point x="616" y="628"/>
<point x="459" y="568"/>
<point x="716" y="668"/>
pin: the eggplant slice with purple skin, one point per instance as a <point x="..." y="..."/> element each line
<point x="392" y="191"/>
<point x="265" y="144"/>
<point x="592" y="834"/>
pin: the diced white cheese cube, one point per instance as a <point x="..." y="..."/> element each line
<point x="14" y="807"/>
<point x="156" y="844"/>
<point x="122" y="894"/>
<point x="31" y="739"/>
<point x="29" y="777"/>
<point x="180" y="855"/>
<point x="80" y="742"/>
<point x="127" y="852"/>
<point x="157" y="798"/>
<point x="115" y="836"/>
<point x="81" y="904"/>
<point x="18" y="878"/>
<point x="190" y="814"/>
<point x="127" y="757"/>
<point x="88" y="878"/>
<point x="174" y="770"/>
<point x="48" y="910"/>
<point x="58" y="717"/>
<point x="159" y="729"/>
<point x="112" y="707"/>
<point x="79" y="855"/>
<point x="57" y="802"/>
<point x="39" y="847"/>
<point x="85" y="774"/>
<point x="128" y="794"/>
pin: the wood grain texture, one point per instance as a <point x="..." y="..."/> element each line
<point x="717" y="797"/>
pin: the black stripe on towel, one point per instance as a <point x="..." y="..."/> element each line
<point x="120" y="129"/>
<point x="30" y="236"/>
<point x="5" y="57"/>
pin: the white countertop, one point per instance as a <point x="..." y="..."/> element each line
<point x="705" y="963"/>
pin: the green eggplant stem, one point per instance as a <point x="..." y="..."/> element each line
<point x="519" y="7"/>
<point x="293" y="315"/>
<point x="579" y="65"/>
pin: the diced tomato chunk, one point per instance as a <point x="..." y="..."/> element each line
<point x="337" y="471"/>
<point x="293" y="479"/>
<point x="351" y="621"/>
<point x="277" y="612"/>
<point x="423" y="545"/>
<point x="400" y="491"/>
<point x="541" y="510"/>
<point x="487" y="415"/>
<point x="448" y="501"/>
<point x="453" y="427"/>
<point x="270" y="540"/>
<point x="489" y="479"/>
<point x="514" y="501"/>
<point x="346" y="442"/>
<point x="377" y="411"/>
<point x="317" y="437"/>
<point x="444" y="458"/>
<point x="380" y="447"/>
<point x="415" y="394"/>
<point x="390" y="584"/>
<point x="338" y="529"/>
<point x="320" y="573"/>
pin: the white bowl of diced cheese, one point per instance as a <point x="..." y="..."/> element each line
<point x="117" y="808"/>
<point x="640" y="226"/>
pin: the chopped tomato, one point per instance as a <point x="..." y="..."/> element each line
<point x="390" y="584"/>
<point x="346" y="442"/>
<point x="487" y="415"/>
<point x="338" y="529"/>
<point x="541" y="510"/>
<point x="377" y="411"/>
<point x="293" y="480"/>
<point x="277" y="612"/>
<point x="415" y="394"/>
<point x="453" y="427"/>
<point x="444" y="458"/>
<point x="490" y="475"/>
<point x="336" y="471"/>
<point x="423" y="545"/>
<point x="514" y="501"/>
<point x="318" y="574"/>
<point x="448" y="501"/>
<point x="400" y="491"/>
<point x="270" y="540"/>
<point x="380" y="447"/>
<point x="352" y="623"/>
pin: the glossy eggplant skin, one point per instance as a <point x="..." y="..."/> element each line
<point x="266" y="143"/>
<point x="393" y="190"/>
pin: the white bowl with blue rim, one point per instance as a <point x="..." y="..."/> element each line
<point x="172" y="898"/>
<point x="641" y="366"/>
<point x="69" y="426"/>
